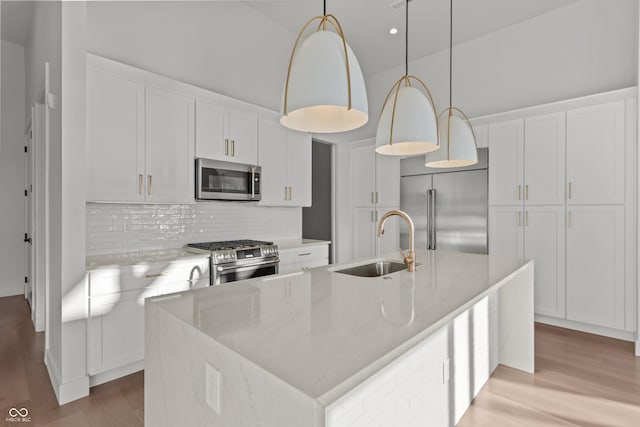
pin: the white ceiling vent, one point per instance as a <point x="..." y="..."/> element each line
<point x="398" y="4"/>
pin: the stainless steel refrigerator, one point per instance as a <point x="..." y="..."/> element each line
<point x="449" y="207"/>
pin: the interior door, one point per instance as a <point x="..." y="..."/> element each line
<point x="413" y="200"/>
<point x="28" y="209"/>
<point x="40" y="223"/>
<point x="460" y="221"/>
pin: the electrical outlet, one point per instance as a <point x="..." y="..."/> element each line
<point x="445" y="371"/>
<point x="212" y="379"/>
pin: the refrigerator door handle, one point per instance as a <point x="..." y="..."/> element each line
<point x="428" y="219"/>
<point x="433" y="219"/>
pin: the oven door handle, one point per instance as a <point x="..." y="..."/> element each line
<point x="247" y="266"/>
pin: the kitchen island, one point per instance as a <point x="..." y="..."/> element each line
<point x="324" y="348"/>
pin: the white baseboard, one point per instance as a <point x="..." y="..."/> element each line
<point x="583" y="327"/>
<point x="105" y="377"/>
<point x="11" y="290"/>
<point x="69" y="391"/>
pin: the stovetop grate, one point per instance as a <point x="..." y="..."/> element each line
<point x="230" y="244"/>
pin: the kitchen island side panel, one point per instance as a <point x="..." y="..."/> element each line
<point x="176" y="356"/>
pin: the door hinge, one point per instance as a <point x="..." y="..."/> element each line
<point x="25" y="193"/>
<point x="26" y="149"/>
<point x="26" y="279"/>
<point x="27" y="239"/>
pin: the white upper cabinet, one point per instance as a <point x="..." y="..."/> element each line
<point x="169" y="147"/>
<point x="285" y="159"/>
<point x="224" y="134"/>
<point x="506" y="162"/>
<point x="299" y="166"/>
<point x="595" y="154"/>
<point x="544" y="159"/>
<point x="375" y="179"/>
<point x="595" y="265"/>
<point x="115" y="138"/>
<point x="387" y="191"/>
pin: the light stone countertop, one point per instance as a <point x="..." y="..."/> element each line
<point x="98" y="262"/>
<point x="325" y="332"/>
<point x="299" y="243"/>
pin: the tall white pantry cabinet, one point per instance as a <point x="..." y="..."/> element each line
<point x="562" y="191"/>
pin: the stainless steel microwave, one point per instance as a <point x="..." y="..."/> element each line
<point x="218" y="180"/>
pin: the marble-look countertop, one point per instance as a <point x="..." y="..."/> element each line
<point x="299" y="243"/>
<point x="98" y="262"/>
<point x="325" y="332"/>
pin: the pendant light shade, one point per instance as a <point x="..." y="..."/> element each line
<point x="408" y="125"/>
<point x="457" y="142"/>
<point x="324" y="91"/>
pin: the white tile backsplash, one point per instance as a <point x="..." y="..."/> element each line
<point x="123" y="228"/>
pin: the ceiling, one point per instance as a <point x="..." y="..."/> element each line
<point x="366" y="23"/>
<point x="16" y="20"/>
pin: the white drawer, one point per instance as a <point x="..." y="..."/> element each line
<point x="304" y="254"/>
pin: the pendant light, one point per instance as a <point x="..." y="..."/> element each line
<point x="324" y="91"/>
<point x="457" y="141"/>
<point x="408" y="124"/>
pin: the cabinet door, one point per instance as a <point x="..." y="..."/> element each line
<point x="390" y="240"/>
<point x="363" y="233"/>
<point x="544" y="243"/>
<point x="170" y="147"/>
<point x="595" y="265"/>
<point x="211" y="139"/>
<point x="505" y="231"/>
<point x="362" y="172"/>
<point x="481" y="133"/>
<point x="115" y="138"/>
<point x="506" y="162"/>
<point x="273" y="160"/>
<point x="595" y="154"/>
<point x="544" y="149"/>
<point x="116" y="329"/>
<point x="299" y="166"/>
<point x="243" y="137"/>
<point x="387" y="180"/>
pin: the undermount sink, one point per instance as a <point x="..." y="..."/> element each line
<point x="374" y="269"/>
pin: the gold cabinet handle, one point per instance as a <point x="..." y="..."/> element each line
<point x="526" y="218"/>
<point x="519" y="219"/>
<point x="233" y="148"/>
<point x="226" y="147"/>
<point x="376" y="216"/>
<point x="371" y="216"/>
<point x="569" y="219"/>
<point x="373" y="200"/>
<point x="305" y="254"/>
<point x="526" y="192"/>
<point x="519" y="192"/>
<point x="150" y="184"/>
<point x="377" y="199"/>
<point x="140" y="183"/>
<point x="289" y="193"/>
<point x="149" y="276"/>
<point x="285" y="192"/>
<point x="570" y="189"/>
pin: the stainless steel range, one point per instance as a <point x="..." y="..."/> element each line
<point x="238" y="259"/>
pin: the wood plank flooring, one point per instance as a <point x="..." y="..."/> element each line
<point x="581" y="380"/>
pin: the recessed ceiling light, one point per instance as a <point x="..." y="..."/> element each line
<point x="393" y="30"/>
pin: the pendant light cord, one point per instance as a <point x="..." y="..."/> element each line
<point x="451" y="55"/>
<point x="324" y="8"/>
<point x="406" y="38"/>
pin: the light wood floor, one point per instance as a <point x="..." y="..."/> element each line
<point x="580" y="380"/>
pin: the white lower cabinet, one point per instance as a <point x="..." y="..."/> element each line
<point x="595" y="265"/>
<point x="116" y="308"/>
<point x="534" y="232"/>
<point x="544" y="243"/>
<point x="366" y="243"/>
<point x="303" y="257"/>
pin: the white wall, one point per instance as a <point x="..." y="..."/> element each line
<point x="583" y="48"/>
<point x="12" y="214"/>
<point x="226" y="47"/>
